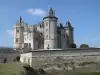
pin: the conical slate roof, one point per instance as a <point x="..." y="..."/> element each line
<point x="68" y="24"/>
<point x="50" y="13"/>
<point x="20" y="22"/>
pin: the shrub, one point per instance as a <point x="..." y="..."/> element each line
<point x="17" y="59"/>
<point x="5" y="60"/>
<point x="72" y="45"/>
<point x="84" y="46"/>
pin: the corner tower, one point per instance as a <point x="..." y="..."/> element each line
<point x="18" y="34"/>
<point x="50" y="30"/>
<point x="69" y="31"/>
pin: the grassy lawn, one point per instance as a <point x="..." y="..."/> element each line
<point x="10" y="69"/>
<point x="72" y="73"/>
<point x="91" y="73"/>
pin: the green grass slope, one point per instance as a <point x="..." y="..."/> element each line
<point x="18" y="69"/>
<point x="10" y="69"/>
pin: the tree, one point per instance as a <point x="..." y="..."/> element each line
<point x="84" y="46"/>
<point x="17" y="59"/>
<point x="5" y="60"/>
<point x="72" y="45"/>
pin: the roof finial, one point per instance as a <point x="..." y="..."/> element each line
<point x="51" y="12"/>
<point x="19" y="22"/>
<point x="20" y="18"/>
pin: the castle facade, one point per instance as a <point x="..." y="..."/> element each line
<point x="49" y="34"/>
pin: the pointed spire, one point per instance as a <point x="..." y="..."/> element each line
<point x="68" y="24"/>
<point x="61" y="25"/>
<point x="51" y="12"/>
<point x="20" y="19"/>
<point x="19" y="22"/>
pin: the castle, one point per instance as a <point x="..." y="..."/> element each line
<point x="49" y="34"/>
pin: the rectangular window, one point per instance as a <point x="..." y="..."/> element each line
<point x="46" y="24"/>
<point x="25" y="44"/>
<point x="17" y="30"/>
<point x="38" y="45"/>
<point x="16" y="39"/>
<point x="46" y="37"/>
<point x="29" y="44"/>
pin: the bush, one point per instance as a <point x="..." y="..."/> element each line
<point x="84" y="46"/>
<point x="5" y="60"/>
<point x="72" y="45"/>
<point x="17" y="59"/>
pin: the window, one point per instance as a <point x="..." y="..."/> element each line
<point x="38" y="45"/>
<point x="25" y="44"/>
<point x="25" y="39"/>
<point x="46" y="30"/>
<point x="29" y="44"/>
<point x="29" y="38"/>
<point x="17" y="30"/>
<point x="48" y="46"/>
<point x="46" y="24"/>
<point x="46" y="37"/>
<point x="41" y="33"/>
<point x="16" y="39"/>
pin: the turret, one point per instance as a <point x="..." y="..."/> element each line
<point x="50" y="30"/>
<point x="51" y="13"/>
<point x="18" y="34"/>
<point x="69" y="31"/>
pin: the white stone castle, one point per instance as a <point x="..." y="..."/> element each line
<point x="49" y="34"/>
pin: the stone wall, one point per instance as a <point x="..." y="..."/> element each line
<point x="9" y="55"/>
<point x="61" y="59"/>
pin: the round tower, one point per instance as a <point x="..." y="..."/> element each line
<point x="69" y="31"/>
<point x="18" y="34"/>
<point x="50" y="30"/>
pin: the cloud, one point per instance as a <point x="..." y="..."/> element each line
<point x="10" y="32"/>
<point x="37" y="12"/>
